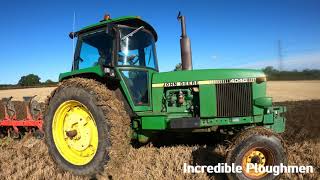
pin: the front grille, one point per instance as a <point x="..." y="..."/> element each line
<point x="234" y="99"/>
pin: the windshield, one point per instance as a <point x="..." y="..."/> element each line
<point x="137" y="48"/>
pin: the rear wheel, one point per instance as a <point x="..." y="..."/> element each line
<point x="80" y="123"/>
<point x="260" y="147"/>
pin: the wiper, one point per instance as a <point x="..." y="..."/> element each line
<point x="132" y="33"/>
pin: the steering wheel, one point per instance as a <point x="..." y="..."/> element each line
<point x="132" y="59"/>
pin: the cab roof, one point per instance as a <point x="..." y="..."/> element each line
<point x="133" y="21"/>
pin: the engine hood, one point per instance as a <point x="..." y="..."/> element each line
<point x="205" y="74"/>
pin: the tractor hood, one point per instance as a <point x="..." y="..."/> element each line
<point x="205" y="74"/>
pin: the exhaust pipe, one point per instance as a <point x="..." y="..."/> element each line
<point x="185" y="45"/>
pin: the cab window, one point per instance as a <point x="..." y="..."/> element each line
<point x="137" y="83"/>
<point x="137" y="48"/>
<point x="94" y="49"/>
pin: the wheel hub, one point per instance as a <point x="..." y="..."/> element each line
<point x="75" y="132"/>
<point x="256" y="157"/>
<point x="71" y="134"/>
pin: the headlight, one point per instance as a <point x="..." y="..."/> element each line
<point x="261" y="79"/>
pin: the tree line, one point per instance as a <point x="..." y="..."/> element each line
<point x="274" y="74"/>
<point x="306" y="74"/>
<point x="30" y="80"/>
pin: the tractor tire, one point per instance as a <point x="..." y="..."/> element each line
<point x="256" y="145"/>
<point x="99" y="127"/>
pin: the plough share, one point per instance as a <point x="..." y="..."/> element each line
<point x="12" y="126"/>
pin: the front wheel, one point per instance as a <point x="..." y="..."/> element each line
<point x="253" y="148"/>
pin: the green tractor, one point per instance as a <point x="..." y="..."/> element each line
<point x="115" y="94"/>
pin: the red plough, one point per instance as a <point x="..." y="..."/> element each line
<point x="31" y="123"/>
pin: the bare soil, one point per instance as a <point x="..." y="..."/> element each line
<point x="293" y="90"/>
<point x="18" y="94"/>
<point x="28" y="158"/>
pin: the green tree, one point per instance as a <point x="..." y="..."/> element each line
<point x="178" y="67"/>
<point x="49" y="81"/>
<point x="29" y="80"/>
<point x="270" y="70"/>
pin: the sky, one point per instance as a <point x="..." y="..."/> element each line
<point x="223" y="33"/>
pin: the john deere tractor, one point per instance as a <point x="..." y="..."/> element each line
<point x="115" y="94"/>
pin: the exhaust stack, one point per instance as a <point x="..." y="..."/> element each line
<point x="185" y="45"/>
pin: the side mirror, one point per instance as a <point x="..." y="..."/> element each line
<point x="72" y="35"/>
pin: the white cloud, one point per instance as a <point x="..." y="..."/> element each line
<point x="299" y="62"/>
<point x="214" y="57"/>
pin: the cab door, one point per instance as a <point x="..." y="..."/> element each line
<point x="136" y="62"/>
<point x="136" y="85"/>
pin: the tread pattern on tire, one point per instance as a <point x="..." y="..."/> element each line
<point x="117" y="118"/>
<point x="258" y="131"/>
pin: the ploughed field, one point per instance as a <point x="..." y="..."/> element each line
<point x="28" y="157"/>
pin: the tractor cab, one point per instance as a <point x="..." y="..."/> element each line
<point x="122" y="48"/>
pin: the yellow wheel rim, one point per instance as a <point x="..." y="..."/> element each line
<point x="256" y="156"/>
<point x="75" y="133"/>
